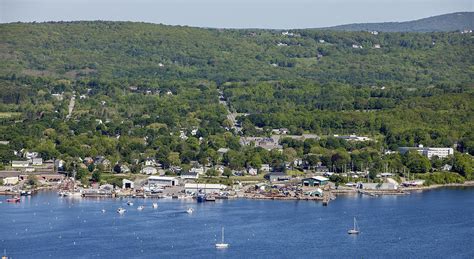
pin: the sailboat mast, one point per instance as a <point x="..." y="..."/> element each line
<point x="222" y="234"/>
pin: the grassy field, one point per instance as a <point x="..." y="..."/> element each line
<point x="8" y="115"/>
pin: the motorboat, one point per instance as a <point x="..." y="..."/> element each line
<point x="129" y="203"/>
<point x="140" y="207"/>
<point x="14" y="200"/>
<point x="190" y="210"/>
<point x="155" y="205"/>
<point x="121" y="211"/>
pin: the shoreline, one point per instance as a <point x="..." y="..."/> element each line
<point x="332" y="193"/>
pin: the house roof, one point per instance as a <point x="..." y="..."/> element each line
<point x="164" y="178"/>
<point x="320" y="178"/>
<point x="276" y="174"/>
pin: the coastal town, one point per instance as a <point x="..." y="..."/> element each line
<point x="296" y="180"/>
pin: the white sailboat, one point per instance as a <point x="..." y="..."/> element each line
<point x="222" y="244"/>
<point x="355" y="230"/>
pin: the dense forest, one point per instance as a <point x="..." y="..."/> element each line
<point x="137" y="85"/>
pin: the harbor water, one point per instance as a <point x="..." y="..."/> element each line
<point x="430" y="224"/>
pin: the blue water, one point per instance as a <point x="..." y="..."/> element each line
<point x="432" y="224"/>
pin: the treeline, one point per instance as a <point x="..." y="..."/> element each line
<point x="140" y="87"/>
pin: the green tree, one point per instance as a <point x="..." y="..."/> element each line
<point x="96" y="176"/>
<point x="32" y="180"/>
<point x="416" y="162"/>
<point x="227" y="172"/>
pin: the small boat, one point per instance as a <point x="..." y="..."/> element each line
<point x="4" y="254"/>
<point x="355" y="230"/>
<point x="155" y="205"/>
<point x="63" y="194"/>
<point x="103" y="210"/>
<point x="74" y="194"/>
<point x="23" y="193"/>
<point x="14" y="200"/>
<point x="222" y="244"/>
<point x="121" y="211"/>
<point x="140" y="207"/>
<point x="210" y="198"/>
<point x="190" y="211"/>
<point x="129" y="203"/>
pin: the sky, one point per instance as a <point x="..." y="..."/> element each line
<point x="277" y="14"/>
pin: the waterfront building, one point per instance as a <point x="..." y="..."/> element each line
<point x="163" y="181"/>
<point x="315" y="181"/>
<point x="127" y="184"/>
<point x="378" y="186"/>
<point x="277" y="177"/>
<point x="204" y="188"/>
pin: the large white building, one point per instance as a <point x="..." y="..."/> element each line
<point x="429" y="152"/>
<point x="163" y="181"/>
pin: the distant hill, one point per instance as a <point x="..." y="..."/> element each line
<point x="441" y="23"/>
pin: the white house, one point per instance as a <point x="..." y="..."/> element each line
<point x="37" y="161"/>
<point x="198" y="170"/>
<point x="149" y="170"/>
<point x="150" y="162"/>
<point x="163" y="181"/>
<point x="265" y="168"/>
<point x="20" y="164"/>
<point x="252" y="171"/>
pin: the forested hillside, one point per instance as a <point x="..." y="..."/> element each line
<point x="137" y="85"/>
<point x="447" y="22"/>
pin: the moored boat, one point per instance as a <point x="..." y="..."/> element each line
<point x="354" y="230"/>
<point x="155" y="205"/>
<point x="121" y="211"/>
<point x="201" y="197"/>
<point x="14" y="200"/>
<point x="190" y="211"/>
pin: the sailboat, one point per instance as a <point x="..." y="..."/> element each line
<point x="222" y="244"/>
<point x="355" y="230"/>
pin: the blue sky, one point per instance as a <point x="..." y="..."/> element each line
<point x="230" y="13"/>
